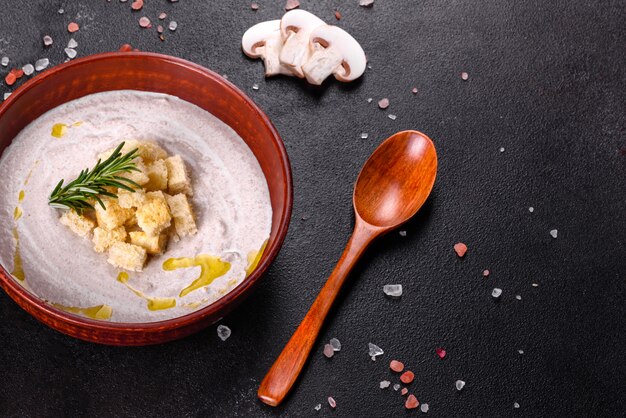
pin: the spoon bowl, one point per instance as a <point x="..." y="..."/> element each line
<point x="396" y="180"/>
<point x="392" y="186"/>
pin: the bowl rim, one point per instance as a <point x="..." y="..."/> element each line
<point x="6" y="279"/>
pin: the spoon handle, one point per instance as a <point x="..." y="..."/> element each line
<point x="285" y="370"/>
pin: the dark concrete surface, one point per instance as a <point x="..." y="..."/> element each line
<point x="547" y="82"/>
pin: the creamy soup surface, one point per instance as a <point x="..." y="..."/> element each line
<point x="231" y="203"/>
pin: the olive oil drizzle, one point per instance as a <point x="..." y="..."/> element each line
<point x="254" y="258"/>
<point x="210" y="269"/>
<point x="154" y="304"/>
<point x="18" y="266"/>
<point x="100" y="312"/>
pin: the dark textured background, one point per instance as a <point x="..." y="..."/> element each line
<point x="546" y="81"/>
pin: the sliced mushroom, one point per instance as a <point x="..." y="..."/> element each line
<point x="336" y="52"/>
<point x="296" y="27"/>
<point x="263" y="40"/>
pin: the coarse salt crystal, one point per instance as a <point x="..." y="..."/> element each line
<point x="535" y="284"/>
<point x="71" y="53"/>
<point x="402" y="233"/>
<point x="383" y="103"/>
<point x="424" y="407"/>
<point x="531" y="209"/>
<point x="460" y="384"/>
<point x="366" y="3"/>
<point x="328" y="351"/>
<point x="385" y="384"/>
<point x="318" y="407"/>
<point x="407" y="377"/>
<point x="496" y="292"/>
<point x="501" y="149"/>
<point x="414" y="90"/>
<point x="396" y="366"/>
<point x="391" y="116"/>
<point x="411" y="402"/>
<point x="518" y="297"/>
<point x="292" y="4"/>
<point x="335" y="344"/>
<point x="464" y="76"/>
<point x="374" y="350"/>
<point x="47" y="40"/>
<point x="255" y="86"/>
<point x="516" y="405"/>
<point x="460" y="249"/>
<point x="173" y="26"/>
<point x="554" y="233"/>
<point x="73" y="27"/>
<point x="332" y="402"/>
<point x="440" y="352"/>
<point x="396" y="387"/>
<point x="7" y="95"/>
<point x="162" y="16"/>
<point x="28" y="69"/>
<point x="254" y="6"/>
<point x="364" y="135"/>
<point x="485" y="273"/>
<point x="144" y="22"/>
<point x="521" y="352"/>
<point x="4" y="61"/>
<point x="393" y="290"/>
<point x="72" y="43"/>
<point x="223" y="332"/>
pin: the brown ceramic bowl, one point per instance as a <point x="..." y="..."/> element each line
<point x="190" y="82"/>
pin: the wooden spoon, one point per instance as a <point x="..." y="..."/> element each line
<point x="392" y="186"/>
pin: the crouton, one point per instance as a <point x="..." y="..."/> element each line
<point x="157" y="175"/>
<point x="182" y="213"/>
<point x="113" y="216"/>
<point x="79" y="224"/>
<point x="149" y="151"/>
<point x="140" y="177"/>
<point x="103" y="239"/>
<point x="178" y="178"/>
<point x="154" y="215"/>
<point x="152" y="244"/>
<point x="129" y="200"/>
<point x="127" y="256"/>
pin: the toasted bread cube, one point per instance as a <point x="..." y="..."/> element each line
<point x="79" y="224"/>
<point x="154" y="215"/>
<point x="157" y="174"/>
<point x="103" y="239"/>
<point x="129" y="200"/>
<point x="127" y="256"/>
<point x="182" y="213"/>
<point x="152" y="244"/>
<point x="149" y="151"/>
<point x="113" y="216"/>
<point x="140" y="177"/>
<point x="178" y="178"/>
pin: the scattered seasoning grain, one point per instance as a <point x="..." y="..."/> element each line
<point x="531" y="209"/>
<point x="144" y="22"/>
<point x="28" y="69"/>
<point x="318" y="407"/>
<point x="254" y="6"/>
<point x="518" y="297"/>
<point x="73" y="27"/>
<point x="337" y="15"/>
<point x="496" y="292"/>
<point x="292" y="4"/>
<point x="126" y="48"/>
<point x="521" y="352"/>
<point x="414" y="90"/>
<point x="18" y="72"/>
<point x="162" y="38"/>
<point x="392" y="116"/>
<point x="10" y="79"/>
<point x="329" y="351"/>
<point x="516" y="405"/>
<point x="407" y="377"/>
<point x="460" y="249"/>
<point x="459" y="384"/>
<point x="384" y="384"/>
<point x="42" y="64"/>
<point x="332" y="402"/>
<point x="137" y="5"/>
<point x="47" y="40"/>
<point x="159" y="29"/>
<point x="502" y="149"/>
<point x="364" y="135"/>
<point x="411" y="402"/>
<point x="4" y="61"/>
<point x="424" y="407"/>
<point x="404" y="391"/>
<point x="464" y="76"/>
<point x="72" y="43"/>
<point x="366" y="3"/>
<point x="383" y="103"/>
<point x="485" y="273"/>
<point x="396" y="366"/>
<point x="71" y="53"/>
<point x="440" y="352"/>
<point x="554" y="233"/>
<point x="162" y="16"/>
<point x="535" y="284"/>
<point x="173" y="26"/>
<point x="255" y="86"/>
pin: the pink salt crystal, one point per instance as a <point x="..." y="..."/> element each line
<point x="292" y="4"/>
<point x="254" y="6"/>
<point x="411" y="402"/>
<point x="144" y="22"/>
<point x="464" y="76"/>
<point x="383" y="103"/>
<point x="414" y="90"/>
<point x="486" y="273"/>
<point x="404" y="391"/>
<point x="460" y="249"/>
<point x="329" y="351"/>
<point x="332" y="402"/>
<point x="440" y="352"/>
<point x="162" y="16"/>
<point x="396" y="366"/>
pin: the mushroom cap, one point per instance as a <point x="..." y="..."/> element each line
<point x="255" y="36"/>
<point x="297" y="19"/>
<point x="354" y="60"/>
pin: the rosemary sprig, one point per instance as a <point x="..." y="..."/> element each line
<point x="92" y="184"/>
